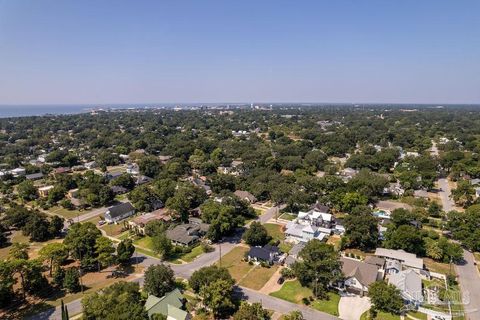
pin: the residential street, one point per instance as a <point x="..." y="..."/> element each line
<point x="270" y="213"/>
<point x="444" y="193"/>
<point x="468" y="275"/>
<point x="470" y="285"/>
<point x="283" y="306"/>
<point x="186" y="270"/>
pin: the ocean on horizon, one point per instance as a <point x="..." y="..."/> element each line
<point x="8" y="111"/>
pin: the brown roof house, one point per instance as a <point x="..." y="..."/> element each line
<point x="358" y="275"/>
<point x="245" y="195"/>
<point x="138" y="224"/>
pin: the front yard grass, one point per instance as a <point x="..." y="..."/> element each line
<point x="258" y="277"/>
<point x="380" y="316"/>
<point x="113" y="229"/>
<point x="234" y="263"/>
<point x="293" y="291"/>
<point x="418" y="315"/>
<point x="145" y="245"/>
<point x="189" y="257"/>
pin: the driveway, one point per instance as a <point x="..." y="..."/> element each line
<point x="352" y="307"/>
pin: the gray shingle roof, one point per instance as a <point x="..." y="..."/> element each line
<point x="120" y="209"/>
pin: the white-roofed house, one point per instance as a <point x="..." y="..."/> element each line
<point x="303" y="233"/>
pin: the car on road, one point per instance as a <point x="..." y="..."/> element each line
<point x="281" y="280"/>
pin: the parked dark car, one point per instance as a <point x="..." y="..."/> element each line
<point x="281" y="280"/>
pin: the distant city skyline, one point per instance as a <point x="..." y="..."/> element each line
<point x="141" y="52"/>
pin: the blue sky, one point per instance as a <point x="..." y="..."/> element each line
<point x="56" y="52"/>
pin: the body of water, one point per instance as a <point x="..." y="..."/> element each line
<point x="7" y="111"/>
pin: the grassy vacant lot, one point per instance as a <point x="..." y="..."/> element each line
<point x="67" y="214"/>
<point x="16" y="237"/>
<point x="258" y="277"/>
<point x="287" y="216"/>
<point x="233" y="262"/>
<point x="292" y="291"/>
<point x="35" y="247"/>
<point x="334" y="240"/>
<point x="439" y="267"/>
<point x="275" y="231"/>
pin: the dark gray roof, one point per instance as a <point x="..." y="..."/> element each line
<point x="184" y="234"/>
<point x="120" y="209"/>
<point x="113" y="175"/>
<point x="262" y="253"/>
<point x="118" y="189"/>
<point x="320" y="207"/>
<point x="259" y="253"/>
<point x="143" y="180"/>
<point x="34" y="176"/>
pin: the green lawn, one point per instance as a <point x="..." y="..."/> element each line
<point x="274" y="231"/>
<point x="418" y="315"/>
<point x="329" y="306"/>
<point x="292" y="291"/>
<point x="146" y="244"/>
<point x="233" y="262"/>
<point x="113" y="230"/>
<point x="439" y="267"/>
<point x="287" y="216"/>
<point x="258" y="277"/>
<point x="67" y="214"/>
<point x="380" y="316"/>
<point x="17" y="237"/>
<point x="285" y="246"/>
<point x="189" y="257"/>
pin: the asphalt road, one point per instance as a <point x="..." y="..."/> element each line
<point x="468" y="275"/>
<point x="469" y="280"/>
<point x="445" y="193"/>
<point x="282" y="306"/>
